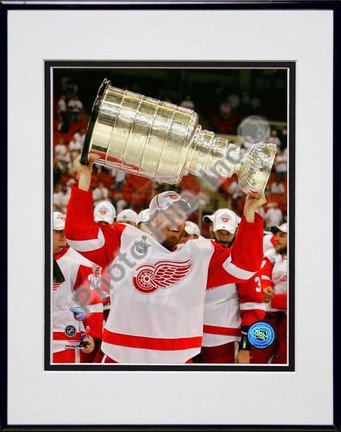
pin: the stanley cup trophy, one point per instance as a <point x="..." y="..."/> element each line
<point x="164" y="142"/>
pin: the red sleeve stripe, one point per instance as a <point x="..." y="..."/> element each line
<point x="236" y="271"/>
<point x="226" y="331"/>
<point x="88" y="245"/>
<point x="145" y="342"/>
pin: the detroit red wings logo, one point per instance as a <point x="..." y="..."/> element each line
<point x="163" y="274"/>
<point x="279" y="278"/>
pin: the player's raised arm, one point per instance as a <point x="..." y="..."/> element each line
<point x="243" y="260"/>
<point x="80" y="224"/>
<point x="247" y="249"/>
<point x="251" y="204"/>
<point x="85" y="171"/>
<point x="83" y="233"/>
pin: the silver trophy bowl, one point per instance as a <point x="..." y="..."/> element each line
<point x="164" y="142"/>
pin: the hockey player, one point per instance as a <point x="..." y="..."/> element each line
<point x="191" y="232"/>
<point x="77" y="310"/>
<point x="157" y="293"/>
<point x="104" y="212"/>
<point x="275" y="295"/>
<point x="230" y="308"/>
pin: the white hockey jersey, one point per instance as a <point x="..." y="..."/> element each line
<point x="75" y="292"/>
<point x="157" y="295"/>
<point x="280" y="284"/>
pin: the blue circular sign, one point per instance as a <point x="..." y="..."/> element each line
<point x="261" y="334"/>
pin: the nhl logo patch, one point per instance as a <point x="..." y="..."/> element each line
<point x="70" y="330"/>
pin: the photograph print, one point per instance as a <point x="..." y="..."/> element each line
<point x="167" y="190"/>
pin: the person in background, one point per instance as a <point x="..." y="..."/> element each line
<point x="100" y="192"/>
<point x="273" y="215"/>
<point x="281" y="164"/>
<point x="275" y="295"/>
<point x="104" y="212"/>
<point x="63" y="114"/>
<point x="187" y="102"/>
<point x="77" y="310"/>
<point x="142" y="218"/>
<point x="75" y="107"/>
<point x="119" y="178"/>
<point x="61" y="199"/>
<point x="127" y="216"/>
<point x="223" y="119"/>
<point x="277" y="188"/>
<point x="229" y="308"/>
<point x="191" y="232"/>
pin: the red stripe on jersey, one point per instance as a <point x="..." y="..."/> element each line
<point x="226" y="331"/>
<point x="144" y="342"/>
<point x="63" y="336"/>
<point x="110" y="360"/>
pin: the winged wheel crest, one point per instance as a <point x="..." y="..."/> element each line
<point x="148" y="278"/>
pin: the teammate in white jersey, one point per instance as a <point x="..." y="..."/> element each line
<point x="76" y="308"/>
<point x="229" y="308"/>
<point x="158" y="291"/>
